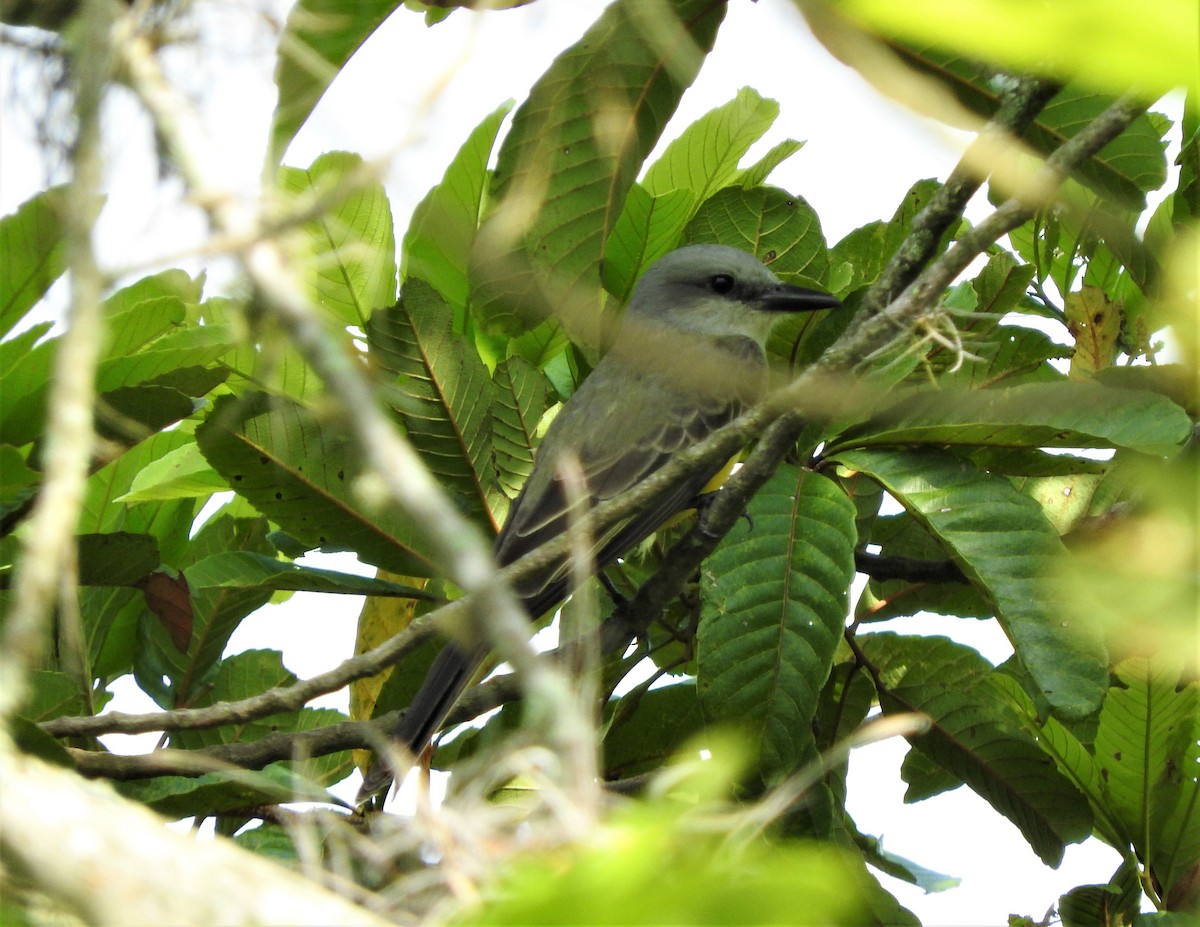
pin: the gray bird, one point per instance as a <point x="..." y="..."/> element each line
<point x="688" y="359"/>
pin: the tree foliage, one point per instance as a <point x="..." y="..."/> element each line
<point x="1010" y="443"/>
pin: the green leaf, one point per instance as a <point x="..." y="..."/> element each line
<point x="1146" y="755"/>
<point x="173" y="676"/>
<point x="300" y="472"/>
<point x="704" y="158"/>
<point x="31" y="254"/>
<point x="1003" y="544"/>
<point x="1151" y="49"/>
<point x="442" y="392"/>
<point x="243" y="569"/>
<point x="651" y="727"/>
<point x="780" y="228"/>
<point x="443" y="225"/>
<point x="520" y="390"/>
<point x="774" y="605"/>
<point x="574" y="150"/>
<point x="16" y="476"/>
<point x="977" y="738"/>
<point x="117" y="558"/>
<point x="648" y="227"/>
<point x="177" y="797"/>
<point x="319" y="38"/>
<point x="1066" y="413"/>
<point x="756" y="174"/>
<point x="182" y="473"/>
<point x="904" y="869"/>
<point x="351" y="252"/>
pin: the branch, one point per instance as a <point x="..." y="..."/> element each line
<point x="47" y="568"/>
<point x="878" y="331"/>
<point x="274" y="748"/>
<point x="113" y="862"/>
<point x="1017" y="110"/>
<point x="882" y="568"/>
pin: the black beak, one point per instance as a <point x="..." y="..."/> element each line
<point x="784" y="297"/>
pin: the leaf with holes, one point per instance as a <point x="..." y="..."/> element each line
<point x="300" y="473"/>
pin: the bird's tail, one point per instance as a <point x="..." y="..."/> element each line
<point x="445" y="681"/>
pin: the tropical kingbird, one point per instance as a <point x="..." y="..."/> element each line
<point x="690" y="357"/>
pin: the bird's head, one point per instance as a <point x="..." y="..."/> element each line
<point x="716" y="290"/>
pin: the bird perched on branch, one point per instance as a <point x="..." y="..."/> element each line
<point x="690" y="357"/>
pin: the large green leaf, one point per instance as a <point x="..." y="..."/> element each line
<point x="441" y="391"/>
<point x="574" y="150"/>
<point x="1066" y="413"/>
<point x="705" y="156"/>
<point x="300" y="472"/>
<point x="351" y="246"/>
<point x="1145" y="741"/>
<point x="656" y="728"/>
<point x="779" y="227"/>
<point x="775" y="602"/>
<point x="648" y="227"/>
<point x="977" y="738"/>
<point x="1151" y="48"/>
<point x="443" y="225"/>
<point x="1003" y="544"/>
<point x="319" y="38"/>
<point x="31" y="254"/>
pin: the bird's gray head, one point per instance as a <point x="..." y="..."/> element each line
<point x="716" y="290"/>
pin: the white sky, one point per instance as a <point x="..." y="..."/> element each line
<point x="862" y="155"/>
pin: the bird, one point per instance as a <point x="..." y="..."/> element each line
<point x="688" y="358"/>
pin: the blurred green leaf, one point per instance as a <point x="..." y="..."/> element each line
<point x="319" y="38"/>
<point x="1151" y="48"/>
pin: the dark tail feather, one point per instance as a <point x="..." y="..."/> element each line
<point x="447" y="678"/>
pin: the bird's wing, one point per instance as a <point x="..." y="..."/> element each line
<point x="616" y="446"/>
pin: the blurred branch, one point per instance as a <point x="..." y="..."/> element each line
<point x="277" y="747"/>
<point x="47" y="568"/>
<point x="124" y="867"/>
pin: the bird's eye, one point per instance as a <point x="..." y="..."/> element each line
<point x="721" y="284"/>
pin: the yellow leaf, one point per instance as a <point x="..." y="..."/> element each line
<point x="1095" y="324"/>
